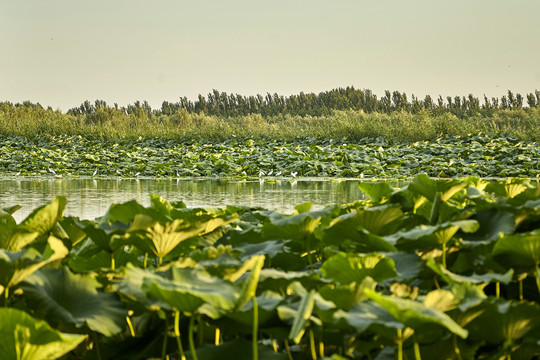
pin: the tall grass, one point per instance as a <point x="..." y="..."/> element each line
<point x="350" y="125"/>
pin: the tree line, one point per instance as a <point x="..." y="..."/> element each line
<point x="222" y="104"/>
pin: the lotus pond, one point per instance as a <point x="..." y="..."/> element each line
<point x="445" y="157"/>
<point x="445" y="269"/>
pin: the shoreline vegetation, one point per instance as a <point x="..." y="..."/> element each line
<point x="342" y="114"/>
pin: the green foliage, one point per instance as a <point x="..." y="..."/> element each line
<point x="380" y="278"/>
<point x="370" y="158"/>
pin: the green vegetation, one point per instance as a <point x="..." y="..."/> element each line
<point x="346" y="114"/>
<point x="437" y="269"/>
<point x="449" y="156"/>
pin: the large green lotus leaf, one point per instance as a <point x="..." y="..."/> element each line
<point x="16" y="266"/>
<point x="7" y="228"/>
<point x="428" y="188"/>
<point x="493" y="225"/>
<point x="506" y="189"/>
<point x="377" y="191"/>
<point x="297" y="227"/>
<point x="24" y="338"/>
<point x="345" y="231"/>
<point x="518" y="250"/>
<point x="302" y="316"/>
<point x="107" y="240"/>
<point x="345" y="296"/>
<point x="101" y="261"/>
<point x="130" y="287"/>
<point x="161" y="205"/>
<point x="278" y="280"/>
<point x="302" y="208"/>
<point x="249" y="287"/>
<point x="345" y="268"/>
<point x="414" y="314"/>
<point x="425" y="236"/>
<point x="377" y="219"/>
<point x="364" y="314"/>
<point x="467" y="295"/>
<point x="269" y="248"/>
<point x="452" y="278"/>
<point x="74" y="232"/>
<point x="125" y="213"/>
<point x="43" y="218"/>
<point x="503" y="322"/>
<point x="40" y="222"/>
<point x="63" y="297"/>
<point x="440" y="299"/>
<point x="408" y="266"/>
<point x="190" y="288"/>
<point x="163" y="238"/>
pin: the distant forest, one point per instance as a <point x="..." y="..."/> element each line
<point x="222" y="104"/>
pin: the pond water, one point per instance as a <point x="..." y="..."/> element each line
<point x="90" y="198"/>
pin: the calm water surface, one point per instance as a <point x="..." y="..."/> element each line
<point x="90" y="198"/>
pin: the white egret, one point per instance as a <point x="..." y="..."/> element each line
<point x="261" y="173"/>
<point x="270" y="172"/>
<point x="278" y="173"/>
<point x="95" y="172"/>
<point x="19" y="173"/>
<point x="294" y="173"/>
<point x="52" y="171"/>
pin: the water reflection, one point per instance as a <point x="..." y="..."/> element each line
<point x="90" y="198"/>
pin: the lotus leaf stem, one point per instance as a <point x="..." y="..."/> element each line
<point x="216" y="341"/>
<point x="312" y="345"/>
<point x="520" y="289"/>
<point x="6" y="296"/>
<point x="400" y="344"/>
<point x="113" y="266"/>
<point x="321" y="348"/>
<point x="255" y="329"/>
<point x="497" y="289"/>
<point x="434" y="216"/>
<point x="444" y="255"/>
<point x="537" y="276"/>
<point x="200" y="331"/>
<point x="417" y="351"/>
<point x="96" y="343"/>
<point x="165" y="338"/>
<point x="177" y="335"/>
<point x="130" y="326"/>
<point x="456" y="348"/>
<point x="190" y="338"/>
<point x="145" y="260"/>
<point x="289" y="355"/>
<point x="274" y="344"/>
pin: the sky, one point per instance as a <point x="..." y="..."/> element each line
<point x="62" y="52"/>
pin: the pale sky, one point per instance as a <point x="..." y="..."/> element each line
<point x="62" y="52"/>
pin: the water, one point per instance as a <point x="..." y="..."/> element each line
<point x="90" y="198"/>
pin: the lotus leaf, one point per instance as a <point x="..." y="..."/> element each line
<point x="24" y="338"/>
